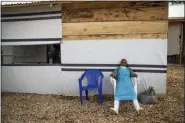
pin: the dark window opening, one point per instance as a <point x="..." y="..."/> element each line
<point x="31" y="54"/>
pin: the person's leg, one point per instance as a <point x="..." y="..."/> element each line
<point x="137" y="107"/>
<point x="136" y="103"/>
<point x="116" y="106"/>
<point x="116" y="102"/>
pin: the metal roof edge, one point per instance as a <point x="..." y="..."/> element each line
<point x="24" y="4"/>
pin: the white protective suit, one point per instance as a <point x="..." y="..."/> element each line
<point x="116" y="102"/>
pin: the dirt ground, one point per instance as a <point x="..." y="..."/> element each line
<point x="31" y="108"/>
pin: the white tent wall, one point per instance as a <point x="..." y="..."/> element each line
<point x="31" y="29"/>
<point x="29" y="25"/>
<point x="137" y="51"/>
<point x="111" y="52"/>
<point x="32" y="79"/>
<point x="51" y="80"/>
<point x="71" y="83"/>
<point x="174" y="31"/>
<point x="36" y="27"/>
<point x="44" y="80"/>
<point x="28" y="79"/>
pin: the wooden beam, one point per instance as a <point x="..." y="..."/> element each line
<point x="124" y="27"/>
<point x="103" y="37"/>
<point x="112" y="4"/>
<point x="176" y="20"/>
<point x="115" y="14"/>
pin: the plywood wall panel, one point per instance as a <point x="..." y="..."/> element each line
<point x="115" y="20"/>
<point x="112" y="4"/>
<point x="115" y="14"/>
<point x="102" y="37"/>
<point x="123" y="27"/>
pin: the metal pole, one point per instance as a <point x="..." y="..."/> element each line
<point x="183" y="37"/>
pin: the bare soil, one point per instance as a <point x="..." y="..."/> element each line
<point x="34" y="108"/>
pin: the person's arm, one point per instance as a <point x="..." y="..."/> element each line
<point x="132" y="74"/>
<point x="114" y="74"/>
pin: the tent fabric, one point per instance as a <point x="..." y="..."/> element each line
<point x="31" y="25"/>
<point x="136" y="51"/>
<point x="27" y="79"/>
<point x="148" y="60"/>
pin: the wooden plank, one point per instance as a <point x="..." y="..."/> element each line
<point x="176" y="20"/>
<point x="124" y="27"/>
<point x="103" y="37"/>
<point x="112" y="4"/>
<point x="115" y="14"/>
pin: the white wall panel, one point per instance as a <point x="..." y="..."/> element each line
<point x="32" y="79"/>
<point x="51" y="80"/>
<point x="136" y="51"/>
<point x="32" y="23"/>
<point x="32" y="29"/>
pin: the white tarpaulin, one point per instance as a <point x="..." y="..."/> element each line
<point x="147" y="57"/>
<point x="31" y="25"/>
<point x="136" y="51"/>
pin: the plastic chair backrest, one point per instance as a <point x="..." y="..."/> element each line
<point x="93" y="76"/>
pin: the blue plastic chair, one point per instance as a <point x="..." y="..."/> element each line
<point x="94" y="82"/>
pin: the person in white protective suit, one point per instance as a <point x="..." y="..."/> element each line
<point x="124" y="89"/>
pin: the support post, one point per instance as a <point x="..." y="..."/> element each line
<point x="183" y="38"/>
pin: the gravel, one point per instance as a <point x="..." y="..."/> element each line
<point x="35" y="108"/>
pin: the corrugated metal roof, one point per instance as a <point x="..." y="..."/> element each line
<point x="12" y="3"/>
<point x="16" y="3"/>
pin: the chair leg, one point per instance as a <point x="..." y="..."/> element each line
<point x="100" y="96"/>
<point x="81" y="101"/>
<point x="86" y="92"/>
